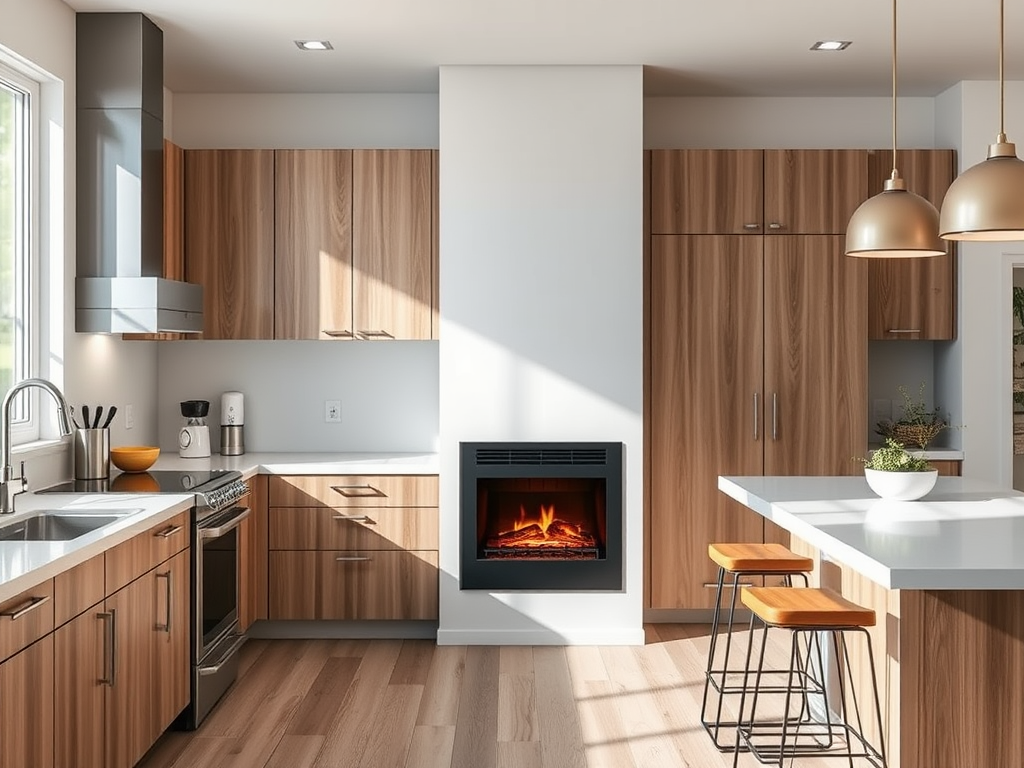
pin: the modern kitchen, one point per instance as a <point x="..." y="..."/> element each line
<point x="394" y="404"/>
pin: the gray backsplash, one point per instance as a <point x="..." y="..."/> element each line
<point x="388" y="392"/>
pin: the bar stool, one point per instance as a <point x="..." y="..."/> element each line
<point x="739" y="560"/>
<point x="808" y="612"/>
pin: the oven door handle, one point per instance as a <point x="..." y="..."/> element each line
<point x="234" y="522"/>
<point x="213" y="669"/>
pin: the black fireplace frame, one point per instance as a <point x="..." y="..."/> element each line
<point x="541" y="460"/>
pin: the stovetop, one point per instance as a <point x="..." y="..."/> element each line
<point x="154" y="481"/>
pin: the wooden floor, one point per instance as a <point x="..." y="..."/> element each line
<point x="411" y="704"/>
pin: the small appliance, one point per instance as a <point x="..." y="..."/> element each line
<point x="232" y="421"/>
<point x="194" y="437"/>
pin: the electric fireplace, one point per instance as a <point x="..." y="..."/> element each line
<point x="541" y="516"/>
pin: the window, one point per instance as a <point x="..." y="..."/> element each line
<point x="18" y="98"/>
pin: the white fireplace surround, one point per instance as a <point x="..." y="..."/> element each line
<point x="541" y="232"/>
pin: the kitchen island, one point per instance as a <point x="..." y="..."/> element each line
<point x="945" y="575"/>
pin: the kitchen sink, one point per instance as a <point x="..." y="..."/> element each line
<point x="60" y="524"/>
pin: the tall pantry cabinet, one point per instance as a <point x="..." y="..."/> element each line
<point x="758" y="343"/>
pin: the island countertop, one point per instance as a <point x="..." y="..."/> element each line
<point x="963" y="535"/>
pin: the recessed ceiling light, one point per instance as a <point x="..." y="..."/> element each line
<point x="831" y="45"/>
<point x="315" y="45"/>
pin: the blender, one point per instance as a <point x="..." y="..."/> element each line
<point x="194" y="437"/>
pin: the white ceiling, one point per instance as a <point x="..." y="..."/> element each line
<point x="688" y="47"/>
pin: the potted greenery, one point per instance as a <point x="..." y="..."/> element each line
<point x="918" y="426"/>
<point x="894" y="473"/>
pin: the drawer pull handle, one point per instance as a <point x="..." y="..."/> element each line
<point x="339" y="334"/>
<point x="904" y="330"/>
<point x="357" y="519"/>
<point x="359" y="491"/>
<point x="110" y="647"/>
<point x="168" y="532"/>
<point x="29" y="605"/>
<point x="751" y="226"/>
<point x="775" y="225"/>
<point x="166" y="626"/>
<point x="374" y="335"/>
<point x="727" y="585"/>
<point x="352" y="559"/>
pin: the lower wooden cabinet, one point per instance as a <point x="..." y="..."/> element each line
<point x="26" y="707"/>
<point x="81" y="663"/>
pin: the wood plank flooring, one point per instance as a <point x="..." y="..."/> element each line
<point x="411" y="704"/>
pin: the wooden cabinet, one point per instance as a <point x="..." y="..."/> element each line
<point x="775" y="192"/>
<point x="313" y="244"/>
<point x="353" y="547"/>
<point x="121" y="666"/>
<point x="950" y="468"/>
<point x="26" y="707"/>
<point x="914" y="298"/>
<point x="391" y="243"/>
<point x="758" y="366"/>
<point x="253" y="553"/>
<point x="229" y="240"/>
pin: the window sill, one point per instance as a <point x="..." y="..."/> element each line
<point x="36" y="448"/>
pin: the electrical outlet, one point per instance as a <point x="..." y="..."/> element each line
<point x="129" y="416"/>
<point x="332" y="411"/>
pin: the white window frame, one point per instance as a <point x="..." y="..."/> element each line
<point x="27" y="428"/>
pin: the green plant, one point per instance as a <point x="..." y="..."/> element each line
<point x="893" y="457"/>
<point x="919" y="424"/>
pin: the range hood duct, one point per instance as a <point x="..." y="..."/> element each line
<point x="119" y="284"/>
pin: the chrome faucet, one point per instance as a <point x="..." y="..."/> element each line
<point x="63" y="425"/>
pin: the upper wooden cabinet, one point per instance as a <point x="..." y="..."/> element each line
<point x="313" y="244"/>
<point x="774" y="192"/>
<point x="229" y="240"/>
<point x="391" y="243"/>
<point x="913" y="298"/>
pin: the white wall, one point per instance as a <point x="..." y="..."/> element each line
<point x="786" y="123"/>
<point x="541" y="307"/>
<point x="388" y="392"/>
<point x="90" y="369"/>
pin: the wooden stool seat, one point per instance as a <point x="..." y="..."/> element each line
<point x="786" y="607"/>
<point x="758" y="558"/>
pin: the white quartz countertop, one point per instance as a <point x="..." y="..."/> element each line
<point x="965" y="534"/>
<point x="310" y="463"/>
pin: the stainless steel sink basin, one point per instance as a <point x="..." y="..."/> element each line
<point x="60" y="524"/>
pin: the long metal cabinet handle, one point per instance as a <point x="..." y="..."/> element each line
<point x="166" y="626"/>
<point x="352" y="559"/>
<point x="903" y="330"/>
<point x="756" y="416"/>
<point x="346" y="334"/>
<point x="166" y="533"/>
<point x="381" y="334"/>
<point x="775" y="225"/>
<point x="751" y="226"/>
<point x="357" y="491"/>
<point x="33" y="602"/>
<point x="357" y="519"/>
<point x="775" y="415"/>
<point x="110" y="648"/>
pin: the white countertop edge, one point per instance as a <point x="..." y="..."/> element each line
<point x="249" y="464"/>
<point x="44" y="560"/>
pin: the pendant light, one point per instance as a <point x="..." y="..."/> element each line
<point x="986" y="202"/>
<point x="895" y="223"/>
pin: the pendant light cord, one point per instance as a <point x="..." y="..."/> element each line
<point x="895" y="173"/>
<point x="1002" y="82"/>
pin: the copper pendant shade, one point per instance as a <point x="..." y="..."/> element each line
<point x="895" y="223"/>
<point x="986" y="202"/>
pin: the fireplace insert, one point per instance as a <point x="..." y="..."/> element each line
<point x="541" y="516"/>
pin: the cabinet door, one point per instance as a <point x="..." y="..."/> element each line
<point x="80" y="665"/>
<point x="815" y="340"/>
<point x="706" y="405"/>
<point x="292" y="590"/>
<point x="707" y="191"/>
<point x="313" y="244"/>
<point x="913" y="298"/>
<point x="130" y="702"/>
<point x="365" y="585"/>
<point x="26" y="707"/>
<point x="229" y="240"/>
<point x="169" y="635"/>
<point x="813" y="191"/>
<point x="391" y="243"/>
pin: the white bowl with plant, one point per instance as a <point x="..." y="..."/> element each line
<point x="894" y="473"/>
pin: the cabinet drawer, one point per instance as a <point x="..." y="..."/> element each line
<point x="78" y="588"/>
<point x="25" y="618"/>
<point x="129" y="560"/>
<point x="360" y="585"/>
<point x="368" y="528"/>
<point x="354" y="491"/>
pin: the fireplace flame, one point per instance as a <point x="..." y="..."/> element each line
<point x="547" y="516"/>
<point x="546" y="530"/>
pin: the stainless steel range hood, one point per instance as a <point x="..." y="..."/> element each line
<point x="119" y="286"/>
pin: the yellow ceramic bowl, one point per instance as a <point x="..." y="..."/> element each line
<point x="134" y="458"/>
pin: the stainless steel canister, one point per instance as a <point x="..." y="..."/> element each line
<point x="92" y="454"/>
<point x="232" y="441"/>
